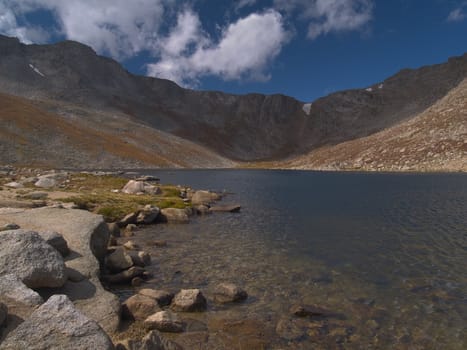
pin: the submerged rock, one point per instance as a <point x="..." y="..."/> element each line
<point x="229" y="292"/>
<point x="234" y="208"/>
<point x="27" y="255"/>
<point x="164" y="321"/>
<point x="125" y="276"/>
<point x="204" y="197"/>
<point x="189" y="300"/>
<point x="152" y="341"/>
<point x="139" y="307"/>
<point x="162" y="297"/>
<point x="57" y="324"/>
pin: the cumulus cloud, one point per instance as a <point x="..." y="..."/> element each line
<point x="10" y="27"/>
<point x="457" y="15"/>
<point x="244" y="50"/>
<point x="328" y="16"/>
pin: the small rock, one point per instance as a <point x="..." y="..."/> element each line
<point x="130" y="245"/>
<point x="158" y="243"/>
<point x="291" y="329"/>
<point x="139" y="307"/>
<point x="14" y="184"/>
<point x="226" y="208"/>
<point x="11" y="226"/>
<point x="162" y="297"/>
<point x="204" y="197"/>
<point x="309" y="311"/>
<point x="57" y="241"/>
<point x="148" y="215"/>
<point x="45" y="182"/>
<point x="119" y="260"/>
<point x="125" y="276"/>
<point x="114" y="229"/>
<point x="133" y="187"/>
<point x="136" y="282"/>
<point x="140" y="258"/>
<point x="229" y="292"/>
<point x="3" y="314"/>
<point x="174" y="215"/>
<point x="164" y="321"/>
<point x="36" y="195"/>
<point x="152" y="341"/>
<point x="201" y="209"/>
<point x="128" y="219"/>
<point x="189" y="300"/>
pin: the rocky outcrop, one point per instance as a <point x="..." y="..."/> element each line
<point x="27" y="255"/>
<point x="87" y="236"/>
<point x="189" y="300"/>
<point x="57" y="324"/>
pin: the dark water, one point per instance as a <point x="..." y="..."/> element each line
<point x="386" y="252"/>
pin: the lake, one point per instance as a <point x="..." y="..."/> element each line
<point x="385" y="254"/>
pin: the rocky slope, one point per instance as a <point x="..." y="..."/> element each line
<point x="434" y="140"/>
<point x="150" y="117"/>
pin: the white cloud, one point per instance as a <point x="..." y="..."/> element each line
<point x="9" y="26"/>
<point x="328" y="16"/>
<point x="244" y="3"/>
<point x="244" y="50"/>
<point x="457" y="15"/>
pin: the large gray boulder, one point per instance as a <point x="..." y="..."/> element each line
<point x="57" y="324"/>
<point x="13" y="290"/>
<point x="87" y="236"/>
<point x="27" y="255"/>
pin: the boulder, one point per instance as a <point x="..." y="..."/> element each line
<point x="162" y="297"/>
<point x="128" y="219"/>
<point x="139" y="307"/>
<point x="139" y="258"/>
<point x="10" y="226"/>
<point x="189" y="300"/>
<point x="13" y="290"/>
<point x="38" y="195"/>
<point x="229" y="292"/>
<point x="133" y="187"/>
<point x="125" y="276"/>
<point x="56" y="240"/>
<point x="87" y="236"/>
<point x="14" y="184"/>
<point x="151" y="189"/>
<point x="174" y="215"/>
<point x="3" y="314"/>
<point x="114" y="229"/>
<point x="152" y="341"/>
<point x="164" y="321"/>
<point x="45" y="182"/>
<point x="57" y="324"/>
<point x="119" y="260"/>
<point x="148" y="215"/>
<point x="204" y="197"/>
<point x="234" y="208"/>
<point x="27" y="255"/>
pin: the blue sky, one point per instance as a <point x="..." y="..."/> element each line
<point x="302" y="48"/>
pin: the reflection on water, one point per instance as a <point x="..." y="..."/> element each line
<point x="386" y="252"/>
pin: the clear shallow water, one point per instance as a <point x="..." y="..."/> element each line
<point x="387" y="253"/>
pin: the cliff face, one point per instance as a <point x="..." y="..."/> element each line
<point x="68" y="76"/>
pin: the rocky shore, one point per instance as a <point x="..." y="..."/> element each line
<point x="56" y="258"/>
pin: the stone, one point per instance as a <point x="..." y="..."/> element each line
<point x="174" y="215"/>
<point x="14" y="184"/>
<point x="136" y="282"/>
<point x="229" y="292"/>
<point x="114" y="229"/>
<point x="119" y="260"/>
<point x="234" y="208"/>
<point x="139" y="307"/>
<point x="148" y="215"/>
<point x="189" y="300"/>
<point x="56" y="240"/>
<point x="139" y="258"/>
<point x="45" y="182"/>
<point x="130" y="245"/>
<point x="128" y="219"/>
<point x="11" y="226"/>
<point x="148" y="178"/>
<point x="112" y="241"/>
<point x="57" y="324"/>
<point x="133" y="187"/>
<point x="151" y="341"/>
<point x="164" y="321"/>
<point x="162" y="297"/>
<point x="87" y="236"/>
<point x="12" y="289"/>
<point x="204" y="197"/>
<point x="125" y="276"/>
<point x="37" y="195"/>
<point x="201" y="209"/>
<point x="3" y="314"/>
<point x="309" y="311"/>
<point x="151" y="189"/>
<point x="27" y="255"/>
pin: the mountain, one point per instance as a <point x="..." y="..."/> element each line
<point x="69" y="82"/>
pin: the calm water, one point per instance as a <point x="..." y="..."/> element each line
<point x="386" y="253"/>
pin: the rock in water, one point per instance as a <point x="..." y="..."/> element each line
<point x="204" y="198"/>
<point x="119" y="260"/>
<point x="152" y="341"/>
<point x="162" y="297"/>
<point x="189" y="300"/>
<point x="174" y="215"/>
<point x="57" y="325"/>
<point x="27" y="255"/>
<point x="229" y="292"/>
<point x="148" y="215"/>
<point x="139" y="307"/>
<point x="164" y="321"/>
<point x="234" y="208"/>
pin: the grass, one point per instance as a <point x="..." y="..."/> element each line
<point x="96" y="196"/>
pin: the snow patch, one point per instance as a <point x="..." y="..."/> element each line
<point x="36" y="70"/>
<point x="369" y="89"/>
<point x="306" y="108"/>
<point x="380" y="86"/>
